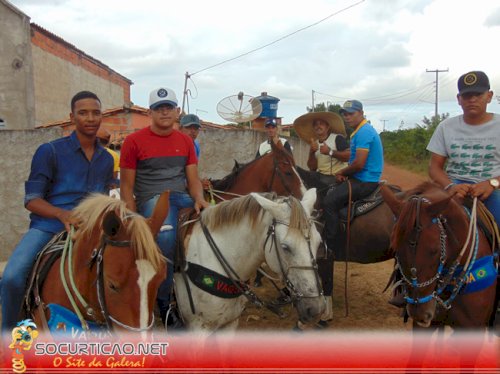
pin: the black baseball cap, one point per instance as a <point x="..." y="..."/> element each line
<point x="473" y="81"/>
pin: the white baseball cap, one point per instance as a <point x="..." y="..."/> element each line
<point x="161" y="96"/>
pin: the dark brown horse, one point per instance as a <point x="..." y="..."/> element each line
<point x="273" y="172"/>
<point x="369" y="240"/>
<point x="107" y="275"/>
<point x="445" y="262"/>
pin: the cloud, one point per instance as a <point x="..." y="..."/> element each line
<point x="390" y="56"/>
<point x="493" y="19"/>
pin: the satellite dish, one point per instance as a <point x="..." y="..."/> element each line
<point x="239" y="108"/>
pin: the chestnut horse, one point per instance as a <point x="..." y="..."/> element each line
<point x="445" y="262"/>
<point x="106" y="276"/>
<point x="273" y="172"/>
<point x="446" y="267"/>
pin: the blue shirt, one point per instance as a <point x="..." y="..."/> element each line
<point x="366" y="137"/>
<point x="197" y="148"/>
<point x="62" y="175"/>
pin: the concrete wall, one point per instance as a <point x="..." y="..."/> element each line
<point x="219" y="149"/>
<point x="16" y="75"/>
<point x="16" y="150"/>
<point x="53" y="91"/>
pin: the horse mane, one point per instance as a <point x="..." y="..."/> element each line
<point x="228" y="181"/>
<point x="234" y="211"/>
<point x="91" y="211"/>
<point x="405" y="224"/>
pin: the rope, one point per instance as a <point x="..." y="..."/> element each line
<point x="68" y="247"/>
<point x="347" y="245"/>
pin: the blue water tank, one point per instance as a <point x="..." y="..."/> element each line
<point x="269" y="105"/>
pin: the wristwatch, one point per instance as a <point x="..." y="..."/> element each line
<point x="331" y="154"/>
<point x="494" y="183"/>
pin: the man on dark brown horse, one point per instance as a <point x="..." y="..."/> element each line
<point x="63" y="172"/>
<point x="358" y="179"/>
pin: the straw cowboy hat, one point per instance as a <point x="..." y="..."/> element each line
<point x="303" y="124"/>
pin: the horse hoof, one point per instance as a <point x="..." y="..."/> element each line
<point x="321" y="325"/>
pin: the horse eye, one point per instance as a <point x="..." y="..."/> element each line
<point x="286" y="248"/>
<point x="113" y="287"/>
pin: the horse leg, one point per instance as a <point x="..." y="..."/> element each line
<point x="421" y="341"/>
<point x="325" y="270"/>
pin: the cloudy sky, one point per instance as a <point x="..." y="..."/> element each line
<point x="376" y="51"/>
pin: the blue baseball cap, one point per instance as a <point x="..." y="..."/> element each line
<point x="270" y="122"/>
<point x="351" y="106"/>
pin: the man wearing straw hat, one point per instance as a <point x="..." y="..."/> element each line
<point x="325" y="133"/>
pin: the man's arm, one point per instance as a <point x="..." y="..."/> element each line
<point x="357" y="164"/>
<point x="438" y="174"/>
<point x="45" y="209"/>
<point x="127" y="182"/>
<point x="195" y="187"/>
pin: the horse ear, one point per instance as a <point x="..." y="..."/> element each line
<point x="437" y="207"/>
<point x="308" y="200"/>
<point x="160" y="212"/>
<point x="111" y="224"/>
<point x="391" y="200"/>
<point x="271" y="206"/>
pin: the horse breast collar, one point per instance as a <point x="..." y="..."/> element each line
<point x="452" y="278"/>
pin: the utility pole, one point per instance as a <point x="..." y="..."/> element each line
<point x="312" y="101"/>
<point x="437" y="71"/>
<point x="383" y="126"/>
<point x="184" y="93"/>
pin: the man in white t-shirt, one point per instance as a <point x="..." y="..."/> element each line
<point x="469" y="146"/>
<point x="272" y="131"/>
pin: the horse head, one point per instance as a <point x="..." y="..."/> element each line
<point x="125" y="265"/>
<point x="431" y="240"/>
<point x="296" y="241"/>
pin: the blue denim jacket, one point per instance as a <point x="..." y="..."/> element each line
<point x="62" y="175"/>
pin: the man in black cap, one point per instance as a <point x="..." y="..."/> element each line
<point x="469" y="146"/>
<point x="465" y="150"/>
<point x="272" y="131"/>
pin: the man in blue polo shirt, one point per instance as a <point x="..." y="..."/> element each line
<point x="364" y="170"/>
<point x="63" y="172"/>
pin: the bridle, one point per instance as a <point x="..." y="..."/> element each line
<point x="243" y="287"/>
<point x="277" y="172"/>
<point x="445" y="276"/>
<point x="97" y="257"/>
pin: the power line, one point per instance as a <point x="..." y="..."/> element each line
<point x="282" y="38"/>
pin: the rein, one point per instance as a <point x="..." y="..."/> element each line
<point x="444" y="276"/>
<point x="245" y="289"/>
<point x="96" y="257"/>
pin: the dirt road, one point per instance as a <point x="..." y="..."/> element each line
<point x="367" y="307"/>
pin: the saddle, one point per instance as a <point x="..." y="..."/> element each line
<point x="43" y="263"/>
<point x="365" y="205"/>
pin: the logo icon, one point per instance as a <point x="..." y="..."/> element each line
<point x="162" y="92"/>
<point x="470" y="79"/>
<point x="208" y="281"/>
<point x="23" y="336"/>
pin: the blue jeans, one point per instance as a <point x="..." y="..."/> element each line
<point x="492" y="202"/>
<point x="166" y="239"/>
<point x="16" y="275"/>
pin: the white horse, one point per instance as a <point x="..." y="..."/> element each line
<point x="229" y="243"/>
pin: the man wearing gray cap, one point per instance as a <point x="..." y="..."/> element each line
<point x="363" y="171"/>
<point x="155" y="159"/>
<point x="190" y="125"/>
